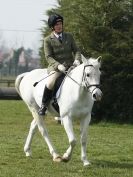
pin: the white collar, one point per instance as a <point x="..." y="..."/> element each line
<point x="57" y="35"/>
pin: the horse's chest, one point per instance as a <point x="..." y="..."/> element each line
<point x="76" y="103"/>
<point x="81" y="109"/>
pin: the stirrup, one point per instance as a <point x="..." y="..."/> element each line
<point x="42" y="110"/>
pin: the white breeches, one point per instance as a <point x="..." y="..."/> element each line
<point x="52" y="78"/>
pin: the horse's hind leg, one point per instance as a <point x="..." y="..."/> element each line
<point x="67" y="122"/>
<point x="84" y="123"/>
<point x="27" y="148"/>
<point x="44" y="133"/>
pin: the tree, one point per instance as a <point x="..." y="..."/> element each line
<point x="105" y="27"/>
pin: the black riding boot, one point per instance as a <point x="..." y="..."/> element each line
<point x="47" y="95"/>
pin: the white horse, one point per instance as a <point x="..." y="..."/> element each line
<point x="75" y="98"/>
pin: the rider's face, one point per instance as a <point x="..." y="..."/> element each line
<point x="58" y="27"/>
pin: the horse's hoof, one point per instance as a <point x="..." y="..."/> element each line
<point x="28" y="154"/>
<point x="65" y="159"/>
<point x="86" y="163"/>
<point x="57" y="159"/>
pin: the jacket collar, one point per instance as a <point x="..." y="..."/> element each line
<point x="53" y="36"/>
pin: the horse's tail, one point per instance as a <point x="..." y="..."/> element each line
<point x="18" y="81"/>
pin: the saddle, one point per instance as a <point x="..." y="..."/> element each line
<point x="57" y="85"/>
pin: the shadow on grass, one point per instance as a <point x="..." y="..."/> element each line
<point x="109" y="164"/>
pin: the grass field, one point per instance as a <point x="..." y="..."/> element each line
<point x="110" y="148"/>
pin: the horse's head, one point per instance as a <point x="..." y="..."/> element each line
<point x="91" y="76"/>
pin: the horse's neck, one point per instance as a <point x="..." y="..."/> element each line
<point x="73" y="82"/>
<point x="77" y="74"/>
<point x="73" y="95"/>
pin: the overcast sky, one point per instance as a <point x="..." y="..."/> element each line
<point x="23" y="15"/>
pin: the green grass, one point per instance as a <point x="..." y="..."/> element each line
<point x="110" y="148"/>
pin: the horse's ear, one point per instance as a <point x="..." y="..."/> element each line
<point x="99" y="59"/>
<point x="84" y="60"/>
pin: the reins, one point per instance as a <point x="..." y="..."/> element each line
<point x="67" y="75"/>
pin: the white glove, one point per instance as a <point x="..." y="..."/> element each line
<point x="61" y="68"/>
<point x="76" y="63"/>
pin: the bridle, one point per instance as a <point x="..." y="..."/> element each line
<point x="84" y="80"/>
<point x="86" y="85"/>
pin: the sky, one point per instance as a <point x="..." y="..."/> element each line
<point x="20" y="21"/>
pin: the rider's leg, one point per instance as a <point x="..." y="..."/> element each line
<point x="47" y="95"/>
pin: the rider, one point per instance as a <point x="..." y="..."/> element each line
<point x="61" y="52"/>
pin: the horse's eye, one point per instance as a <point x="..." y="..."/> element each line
<point x="88" y="75"/>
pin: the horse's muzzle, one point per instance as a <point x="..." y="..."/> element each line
<point x="97" y="94"/>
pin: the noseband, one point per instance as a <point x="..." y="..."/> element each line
<point x="87" y="85"/>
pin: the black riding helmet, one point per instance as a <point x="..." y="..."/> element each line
<point x="53" y="19"/>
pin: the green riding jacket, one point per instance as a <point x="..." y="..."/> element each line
<point x="60" y="53"/>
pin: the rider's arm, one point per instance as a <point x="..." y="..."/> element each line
<point x="49" y="55"/>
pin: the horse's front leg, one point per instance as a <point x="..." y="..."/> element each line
<point x="67" y="122"/>
<point x="84" y="123"/>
